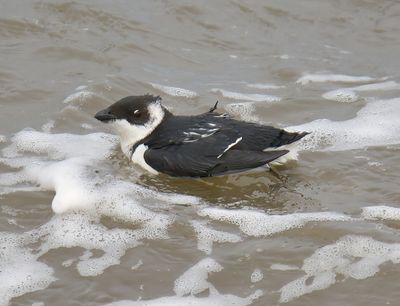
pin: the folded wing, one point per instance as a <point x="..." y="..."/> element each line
<point x="207" y="156"/>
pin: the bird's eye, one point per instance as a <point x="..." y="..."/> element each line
<point x="136" y="113"/>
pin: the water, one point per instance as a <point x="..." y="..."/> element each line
<point x="80" y="225"/>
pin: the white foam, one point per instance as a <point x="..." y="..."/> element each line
<point x="245" y="96"/>
<point x="87" y="126"/>
<point x="81" y="87"/>
<point x="376" y="124"/>
<point x="256" y="276"/>
<point x="255" y="223"/>
<point x="175" y="91"/>
<point x="206" y="236"/>
<point x="244" y="110"/>
<point x="212" y="300"/>
<point x="349" y="94"/>
<point x="80" y="96"/>
<point x="389" y="85"/>
<point x="264" y="86"/>
<point x="80" y="230"/>
<point x="59" y="146"/>
<point x="47" y="127"/>
<point x="72" y="166"/>
<point x="322" y="78"/>
<point x="192" y="282"/>
<point x="3" y="138"/>
<point x="283" y="267"/>
<point x="341" y="95"/>
<point x="20" y="272"/>
<point x="356" y="257"/>
<point x="138" y="265"/>
<point x="381" y="212"/>
<point x="68" y="177"/>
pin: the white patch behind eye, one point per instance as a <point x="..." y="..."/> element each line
<point x="130" y="133"/>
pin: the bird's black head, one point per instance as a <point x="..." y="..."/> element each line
<point x="134" y="109"/>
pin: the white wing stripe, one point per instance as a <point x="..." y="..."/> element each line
<point x="230" y="146"/>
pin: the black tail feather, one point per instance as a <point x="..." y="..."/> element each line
<point x="286" y="138"/>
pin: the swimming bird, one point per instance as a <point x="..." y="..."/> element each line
<point x="203" y="145"/>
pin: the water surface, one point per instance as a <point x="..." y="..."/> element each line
<point x="80" y="225"/>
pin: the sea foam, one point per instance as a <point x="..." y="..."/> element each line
<point x="381" y="212"/>
<point x="349" y="94"/>
<point x="244" y="110"/>
<point x="175" y="91"/>
<point x="352" y="256"/>
<point x="246" y="96"/>
<point x="256" y="223"/>
<point x="376" y="124"/>
<point x="322" y="78"/>
<point x="192" y="282"/>
<point x="206" y="236"/>
<point x="73" y="166"/>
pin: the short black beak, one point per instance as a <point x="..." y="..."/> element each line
<point x="104" y="116"/>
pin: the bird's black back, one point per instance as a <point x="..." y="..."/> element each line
<point x="197" y="145"/>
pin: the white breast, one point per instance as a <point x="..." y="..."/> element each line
<point x="138" y="158"/>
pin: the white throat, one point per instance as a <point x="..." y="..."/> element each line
<point x="131" y="134"/>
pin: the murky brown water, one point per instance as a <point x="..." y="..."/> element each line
<point x="301" y="237"/>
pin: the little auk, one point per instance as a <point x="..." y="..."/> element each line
<point x="203" y="145"/>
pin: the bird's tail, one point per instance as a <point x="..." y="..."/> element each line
<point x="286" y="138"/>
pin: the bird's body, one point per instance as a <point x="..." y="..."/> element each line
<point x="198" y="146"/>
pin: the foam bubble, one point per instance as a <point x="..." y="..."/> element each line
<point x="212" y="300"/>
<point x="47" y="127"/>
<point x="80" y="96"/>
<point x="376" y="124"/>
<point x="382" y="212"/>
<point x="244" y="110"/>
<point x="264" y="86"/>
<point x="87" y="126"/>
<point x="389" y="85"/>
<point x="322" y="78"/>
<point x="245" y="97"/>
<point x="20" y="271"/>
<point x="96" y="145"/>
<point x="255" y="223"/>
<point x="72" y="166"/>
<point x="175" y="91"/>
<point x="3" y="138"/>
<point x="207" y="236"/>
<point x="283" y="267"/>
<point x="138" y="265"/>
<point x="192" y="282"/>
<point x="69" y="178"/>
<point x="256" y="276"/>
<point x="80" y="88"/>
<point x="352" y="256"/>
<point x="341" y="95"/>
<point x="349" y="94"/>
